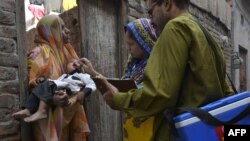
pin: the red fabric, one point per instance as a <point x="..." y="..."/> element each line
<point x="220" y="133"/>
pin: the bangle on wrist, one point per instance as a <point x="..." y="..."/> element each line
<point x="98" y="75"/>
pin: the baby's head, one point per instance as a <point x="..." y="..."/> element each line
<point x="74" y="66"/>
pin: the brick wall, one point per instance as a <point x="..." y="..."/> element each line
<point x="9" y="85"/>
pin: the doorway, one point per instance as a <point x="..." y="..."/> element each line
<point x="97" y="33"/>
<point x="243" y="69"/>
<point x="102" y="42"/>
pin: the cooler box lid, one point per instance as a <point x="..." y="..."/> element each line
<point x="217" y="104"/>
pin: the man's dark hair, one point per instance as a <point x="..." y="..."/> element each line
<point x="179" y="3"/>
<point x="182" y="3"/>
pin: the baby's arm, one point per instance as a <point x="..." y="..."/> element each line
<point x="88" y="89"/>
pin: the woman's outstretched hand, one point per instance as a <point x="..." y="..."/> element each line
<point x="88" y="68"/>
<point x="111" y="90"/>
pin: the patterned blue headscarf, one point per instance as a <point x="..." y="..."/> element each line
<point x="144" y="34"/>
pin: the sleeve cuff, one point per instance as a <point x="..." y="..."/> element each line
<point x="121" y="101"/>
<point x="87" y="91"/>
<point x="125" y="101"/>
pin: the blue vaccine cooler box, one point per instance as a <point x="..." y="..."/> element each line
<point x="191" y="128"/>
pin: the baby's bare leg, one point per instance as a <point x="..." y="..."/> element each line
<point x="21" y="114"/>
<point x="40" y="114"/>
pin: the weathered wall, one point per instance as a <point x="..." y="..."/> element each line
<point x="218" y="8"/>
<point x="241" y="34"/>
<point x="31" y="36"/>
<point x="218" y="29"/>
<point x="102" y="43"/>
<point x="8" y="69"/>
<point x="10" y="74"/>
<point x="136" y="9"/>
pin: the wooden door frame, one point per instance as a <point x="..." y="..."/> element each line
<point x="22" y="64"/>
<point x="122" y="19"/>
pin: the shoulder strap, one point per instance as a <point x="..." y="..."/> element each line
<point x="211" y="44"/>
<point x="205" y="116"/>
<point x="209" y="119"/>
